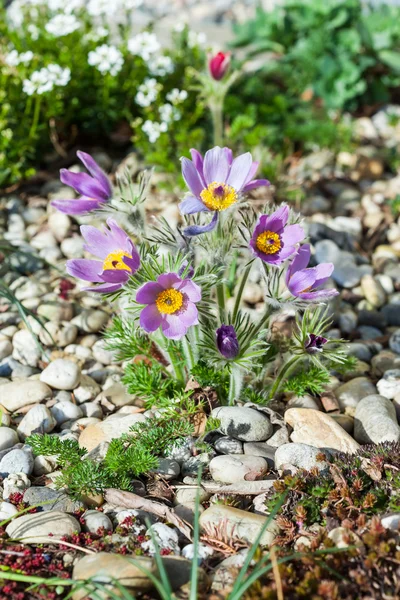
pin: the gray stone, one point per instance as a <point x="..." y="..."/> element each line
<point x="349" y="394"/>
<point x="167" y="468"/>
<point x="391" y="521"/>
<point x="87" y="389"/>
<point x="347" y="274"/>
<point x="375" y="421"/>
<point x="385" y="361"/>
<point x="305" y="401"/>
<point x="394" y="340"/>
<point x="37" y="420"/>
<point x="93" y="520"/>
<point x="239" y="523"/>
<point x="388" y="386"/>
<point x="260" y="449"/>
<point x="301" y="456"/>
<point x="227" y="445"/>
<point x="91" y="321"/>
<point x="236" y="467"/>
<point x="373" y="291"/>
<point x="6" y="349"/>
<point x="8" y="438"/>
<point x="26" y="349"/>
<point x="196" y="463"/>
<point x="327" y="251"/>
<point x="15" y="483"/>
<point x="36" y="528"/>
<point x="91" y="409"/>
<point x="16" y="461"/>
<point x="61" y="374"/>
<point x="18" y="394"/>
<point x="243" y="424"/>
<point x="64" y="411"/>
<point x="360" y="351"/>
<point x="50" y="500"/>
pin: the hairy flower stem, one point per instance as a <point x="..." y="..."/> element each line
<point x="188" y="351"/>
<point x="221" y="302"/>
<point x="216" y="109"/>
<point x="283" y="374"/>
<point x="171" y="353"/>
<point x="35" y="119"/>
<point x="235" y="385"/>
<point x="240" y="292"/>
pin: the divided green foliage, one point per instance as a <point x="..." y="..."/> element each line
<point x="312" y="381"/>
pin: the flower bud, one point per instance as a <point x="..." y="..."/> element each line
<point x="314" y="343"/>
<point x="227" y="342"/>
<point x="219" y="64"/>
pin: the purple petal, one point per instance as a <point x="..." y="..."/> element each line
<point x="120" y="239"/>
<point x="216" y="165"/>
<point x="104" y="288"/>
<point x="239" y="171"/>
<point x="169" y="280"/>
<point x="301" y="280"/>
<point x="191" y="289"/>
<point x="255" y="184"/>
<point x="253" y="171"/>
<point x="148" y="293"/>
<point x="323" y="272"/>
<point x="150" y="318"/>
<point x="319" y="295"/>
<point x="83" y="184"/>
<point x="191" y="177"/>
<point x="172" y="327"/>
<point x="80" y="206"/>
<point x="189" y="316"/>
<point x="85" y="268"/>
<point x="292" y="234"/>
<point x="299" y="262"/>
<point x="199" y="229"/>
<point x="96" y="172"/>
<point x="115" y="276"/>
<point x="97" y="242"/>
<point x="229" y="155"/>
<point x="134" y="262"/>
<point x="191" y="205"/>
<point x="198" y="163"/>
<point x="277" y="221"/>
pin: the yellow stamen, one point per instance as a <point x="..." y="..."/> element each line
<point x="269" y="242"/>
<point x="114" y="261"/>
<point x="169" y="301"/>
<point x="218" y="196"/>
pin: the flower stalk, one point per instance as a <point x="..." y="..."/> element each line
<point x="283" y="374"/>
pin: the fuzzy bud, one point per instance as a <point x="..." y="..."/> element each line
<point x="227" y="342"/>
<point x="219" y="64"/>
<point x="314" y="343"/>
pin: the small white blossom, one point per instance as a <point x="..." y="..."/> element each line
<point x="177" y="96"/>
<point x="169" y="113"/>
<point x="196" y="39"/>
<point x="147" y="92"/>
<point x="107" y="59"/>
<point x="203" y="552"/>
<point x="179" y="27"/>
<point x="61" y="25"/>
<point x="13" y="58"/>
<point x="153" y="130"/>
<point x="162" y="65"/>
<point x="144" y="44"/>
<point x="45" y="79"/>
<point x="34" y="31"/>
<point x="97" y="34"/>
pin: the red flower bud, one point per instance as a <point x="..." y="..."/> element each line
<point x="219" y="64"/>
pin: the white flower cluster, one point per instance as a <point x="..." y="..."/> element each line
<point x="46" y="79"/>
<point x="61" y="25"/>
<point x="147" y="92"/>
<point x="177" y="96"/>
<point x="13" y="58"/>
<point x="153" y="130"/>
<point x="161" y="65"/>
<point x="107" y="59"/>
<point x="196" y="39"/>
<point x="118" y="9"/>
<point x="144" y="44"/>
<point x="169" y="113"/>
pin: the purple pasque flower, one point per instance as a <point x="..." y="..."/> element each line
<point x="303" y="282"/>
<point x="216" y="183"/>
<point x="314" y="343"/>
<point x="170" y="304"/>
<point x="95" y="189"/>
<point x="119" y="258"/>
<point x="273" y="240"/>
<point x="227" y="342"/>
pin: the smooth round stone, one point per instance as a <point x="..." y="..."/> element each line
<point x="91" y="321"/>
<point x="391" y="313"/>
<point x="87" y="389"/>
<point x="345" y="421"/>
<point x="348" y="275"/>
<point x="52" y="499"/>
<point x="342" y="538"/>
<point x="166" y="537"/>
<point x="61" y="374"/>
<point x="369" y="333"/>
<point x="349" y="394"/>
<point x="16" y="461"/>
<point x="93" y="520"/>
<point x="373" y="291"/>
<point x="260" y="449"/>
<point x="7" y="510"/>
<point x="107" y="430"/>
<point x="36" y="528"/>
<point x="227" y="445"/>
<point x="375" y="421"/>
<point x="64" y="411"/>
<point x="18" y="394"/>
<point x="386" y="360"/>
<point x="26" y="349"/>
<point x="59" y="225"/>
<point x="37" y="420"/>
<point x="80" y="424"/>
<point x="72" y="247"/>
<point x="100" y="353"/>
<point x="391" y="521"/>
<point x="8" y="438"/>
<point x="203" y="552"/>
<point x="15" y="483"/>
<point x="394" y="340"/>
<point x="327" y="251"/>
<point x="239" y="523"/>
<point x="43" y="465"/>
<point x="6" y="349"/>
<point x="388" y="386"/>
<point x="301" y="456"/>
<point x="242" y="423"/>
<point x="188" y="495"/>
<point x="91" y="409"/>
<point x="347" y="321"/>
<point x="360" y="351"/>
<point x="167" y="468"/>
<point x="196" y="463"/>
<point x="305" y="401"/>
<point x="235" y="467"/>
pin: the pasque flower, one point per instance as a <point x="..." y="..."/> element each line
<point x="273" y="240"/>
<point x="95" y="189"/>
<point x="171" y="304"/>
<point x="227" y="342"/>
<point x="314" y="343"/>
<point x="218" y="65"/>
<point x="304" y="282"/>
<point x="216" y="183"/>
<point x="119" y="258"/>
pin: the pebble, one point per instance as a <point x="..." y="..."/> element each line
<point x="87" y="389"/>
<point x="26" y="349"/>
<point x="188" y="495"/>
<point x="6" y="349"/>
<point x="238" y="523"/>
<point x="167" y="468"/>
<point x="228" y="445"/>
<point x="318" y="429"/>
<point x="64" y="411"/>
<point x="391" y="521"/>
<point x="166" y="538"/>
<point x="8" y="438"/>
<point x="15" y="483"/>
<point x="373" y="291"/>
<point x="16" y="395"/>
<point x="100" y="353"/>
<point x="349" y="394"/>
<point x="244" y="424"/>
<point x="7" y="510"/>
<point x="35" y="528"/>
<point x="91" y="321"/>
<point x="52" y="499"/>
<point x="394" y="340"/>
<point x="91" y="409"/>
<point x="61" y="374"/>
<point x="233" y="468"/>
<point x="16" y="461"/>
<point x="301" y="456"/>
<point x="56" y="311"/>
<point x="93" y="520"/>
<point x="375" y="421"/>
<point x="260" y="449"/>
<point x="43" y="465"/>
<point x="342" y="538"/>
<point x="107" y="430"/>
<point x="37" y="420"/>
<point x="388" y="386"/>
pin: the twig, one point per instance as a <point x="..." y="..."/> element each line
<point x="247" y="488"/>
<point x="129" y="500"/>
<point x="277" y="575"/>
